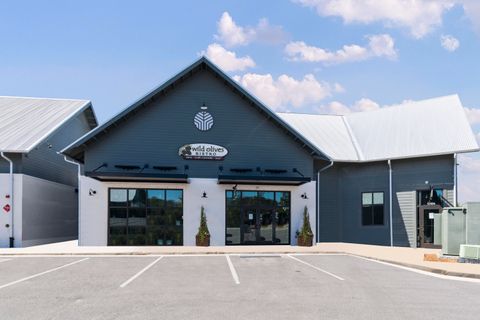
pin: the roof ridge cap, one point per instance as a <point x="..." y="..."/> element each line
<point x="356" y="146"/>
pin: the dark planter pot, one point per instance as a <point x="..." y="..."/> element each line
<point x="204" y="243"/>
<point x="306" y="241"/>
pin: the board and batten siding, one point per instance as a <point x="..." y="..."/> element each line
<point x="154" y="133"/>
<point x="409" y="176"/>
<point x="340" y="198"/>
<point x="44" y="162"/>
<point x="17" y="163"/>
<point x="329" y="205"/>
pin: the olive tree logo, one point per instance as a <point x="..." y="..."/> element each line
<point x="203" y="120"/>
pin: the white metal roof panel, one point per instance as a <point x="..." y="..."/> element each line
<point x="25" y="122"/>
<point x="422" y="128"/>
<point x="329" y="133"/>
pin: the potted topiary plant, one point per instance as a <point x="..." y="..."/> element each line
<point x="305" y="235"/>
<point x="202" y="238"/>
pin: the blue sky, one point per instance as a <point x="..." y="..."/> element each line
<point x="329" y="56"/>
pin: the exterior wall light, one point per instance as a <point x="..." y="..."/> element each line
<point x="92" y="192"/>
<point x="204" y="195"/>
<point x="304" y="195"/>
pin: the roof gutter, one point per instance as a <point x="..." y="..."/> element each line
<point x="390" y="186"/>
<point x="318" y="196"/>
<point x="12" y="207"/>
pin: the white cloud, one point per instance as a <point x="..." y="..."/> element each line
<point x="449" y="43"/>
<point x="420" y="17"/>
<point x="381" y="45"/>
<point x="468" y="177"/>
<point x="473" y="115"/>
<point x="336" y="107"/>
<point x="227" y="60"/>
<point x="231" y="34"/>
<point x="285" y="90"/>
<point x="472" y="11"/>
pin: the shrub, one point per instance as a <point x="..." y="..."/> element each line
<point x="203" y="231"/>
<point x="306" y="230"/>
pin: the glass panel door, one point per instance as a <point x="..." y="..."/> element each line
<point x="250" y="226"/>
<point x="265" y="221"/>
<point x="257" y="217"/>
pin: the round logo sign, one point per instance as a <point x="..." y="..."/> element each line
<point x="203" y="121"/>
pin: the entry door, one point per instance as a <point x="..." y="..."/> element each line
<point x="426" y="225"/>
<point x="257" y="226"/>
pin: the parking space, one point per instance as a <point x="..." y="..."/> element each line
<point x="226" y="287"/>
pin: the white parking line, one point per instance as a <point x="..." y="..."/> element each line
<point x="426" y="273"/>
<point x="123" y="285"/>
<point x="5" y="260"/>
<point x="316" y="268"/>
<point x="232" y="270"/>
<point x="42" y="273"/>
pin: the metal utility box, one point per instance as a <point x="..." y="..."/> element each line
<point x="437" y="229"/>
<point x="453" y="230"/>
<point x="473" y="223"/>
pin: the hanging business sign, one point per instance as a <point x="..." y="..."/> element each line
<point x="202" y="151"/>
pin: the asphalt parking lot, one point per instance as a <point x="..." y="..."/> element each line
<point x="227" y="287"/>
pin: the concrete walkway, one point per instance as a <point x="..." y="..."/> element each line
<point x="409" y="257"/>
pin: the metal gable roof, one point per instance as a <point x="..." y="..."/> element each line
<point x="25" y="122"/>
<point x="422" y="128"/>
<point x="328" y="132"/>
<point x="76" y="147"/>
<point x="417" y="129"/>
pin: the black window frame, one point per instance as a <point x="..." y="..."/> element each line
<point x="372" y="208"/>
<point x="146" y="207"/>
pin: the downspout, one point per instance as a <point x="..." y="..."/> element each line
<point x="79" y="213"/>
<point x="390" y="185"/>
<point x="455" y="180"/>
<point x="12" y="238"/>
<point x="318" y="197"/>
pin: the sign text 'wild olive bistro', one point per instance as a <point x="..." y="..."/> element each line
<point x="202" y="151"/>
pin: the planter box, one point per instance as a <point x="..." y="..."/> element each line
<point x="204" y="243"/>
<point x="305" y="241"/>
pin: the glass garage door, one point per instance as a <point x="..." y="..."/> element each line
<point x="152" y="217"/>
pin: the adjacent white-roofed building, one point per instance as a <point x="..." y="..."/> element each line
<point x="24" y="122"/>
<point x="37" y="187"/>
<point x="410" y="130"/>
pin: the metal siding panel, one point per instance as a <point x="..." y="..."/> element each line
<point x="405" y="219"/>
<point x="154" y="134"/>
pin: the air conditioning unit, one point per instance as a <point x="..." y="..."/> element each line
<point x="468" y="251"/>
<point x="473" y="223"/>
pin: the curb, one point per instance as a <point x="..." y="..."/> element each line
<point x="423" y="268"/>
<point x="220" y="252"/>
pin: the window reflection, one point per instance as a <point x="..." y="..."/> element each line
<point x="145" y="217"/>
